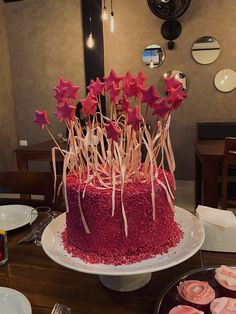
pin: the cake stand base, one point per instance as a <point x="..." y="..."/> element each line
<point x="125" y="283"/>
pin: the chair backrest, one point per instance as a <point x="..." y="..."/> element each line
<point x="215" y="130"/>
<point x="21" y="185"/>
<point x="229" y="161"/>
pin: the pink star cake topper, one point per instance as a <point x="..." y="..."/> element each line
<point x="66" y="89"/>
<point x="176" y="96"/>
<point x="134" y="117"/>
<point x="128" y="78"/>
<point x="125" y="103"/>
<point x="114" y="93"/>
<point x="161" y="108"/>
<point x="150" y="96"/>
<point x="97" y="87"/>
<point x="113" y="132"/>
<point x="66" y="111"/>
<point x="89" y="104"/>
<point x="112" y="77"/>
<point x="171" y="82"/>
<point x="41" y="118"/>
<point x="141" y="79"/>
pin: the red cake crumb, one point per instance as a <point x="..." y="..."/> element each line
<point x="94" y="258"/>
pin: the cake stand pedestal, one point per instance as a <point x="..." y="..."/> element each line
<point x="125" y="283"/>
<point x="132" y="276"/>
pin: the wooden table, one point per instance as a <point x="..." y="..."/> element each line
<point x="44" y="282"/>
<point x="40" y="152"/>
<point x="208" y="160"/>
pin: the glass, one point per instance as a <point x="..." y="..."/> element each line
<point x="153" y="56"/>
<point x="3" y="247"/>
<point x="40" y="218"/>
<point x="205" y="50"/>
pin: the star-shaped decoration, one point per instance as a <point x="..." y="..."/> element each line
<point x="112" y="77"/>
<point x="58" y="113"/>
<point x="41" y="118"/>
<point x="161" y="108"/>
<point x="127" y="89"/>
<point x="141" y="79"/>
<point x="125" y="103"/>
<point x="171" y="82"/>
<point x="113" y="132"/>
<point x="97" y="87"/>
<point x="67" y="111"/>
<point x="89" y="104"/>
<point x="114" y="93"/>
<point x="134" y="117"/>
<point x="65" y="89"/>
<point x="135" y="89"/>
<point x="128" y="78"/>
<point x="61" y="83"/>
<point x="71" y="90"/>
<point x="176" y="96"/>
<point x="150" y="95"/>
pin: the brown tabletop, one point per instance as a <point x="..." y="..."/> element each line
<point x="208" y="160"/>
<point x="40" y="152"/>
<point x="44" y="282"/>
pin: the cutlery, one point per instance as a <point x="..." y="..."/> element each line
<point x="60" y="309"/>
<point x="29" y="237"/>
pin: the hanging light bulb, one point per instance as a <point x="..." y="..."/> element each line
<point x="112" y="22"/>
<point x="104" y="12"/>
<point x="90" y="40"/>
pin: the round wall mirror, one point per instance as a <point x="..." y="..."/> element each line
<point x="153" y="56"/>
<point x="225" y="80"/>
<point x="205" y="50"/>
<point x="180" y="76"/>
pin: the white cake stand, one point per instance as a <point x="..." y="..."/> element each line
<point x="133" y="276"/>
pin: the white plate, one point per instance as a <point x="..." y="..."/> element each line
<point x="13" y="302"/>
<point x="14" y="216"/>
<point x="193" y="238"/>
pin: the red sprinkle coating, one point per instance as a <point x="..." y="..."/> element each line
<point x="107" y="242"/>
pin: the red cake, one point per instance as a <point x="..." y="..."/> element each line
<point x="107" y="241"/>
<point x="119" y="197"/>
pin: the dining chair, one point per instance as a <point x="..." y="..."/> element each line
<point x="228" y="187"/>
<point x="27" y="188"/>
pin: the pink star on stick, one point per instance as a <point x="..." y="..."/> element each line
<point x="113" y="132"/>
<point x="97" y="87"/>
<point x="171" y="82"/>
<point x="134" y="117"/>
<point x="89" y="104"/>
<point x="41" y="118"/>
<point x="112" y="77"/>
<point x="114" y="94"/>
<point x="67" y="111"/>
<point x="150" y="96"/>
<point x="161" y="108"/>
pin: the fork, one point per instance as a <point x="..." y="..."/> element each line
<point x="60" y="309"/>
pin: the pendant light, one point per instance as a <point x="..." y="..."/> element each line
<point x="104" y="11"/>
<point x="112" y="22"/>
<point x="90" y="40"/>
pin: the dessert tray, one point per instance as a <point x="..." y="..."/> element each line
<point x="193" y="238"/>
<point x="170" y="296"/>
